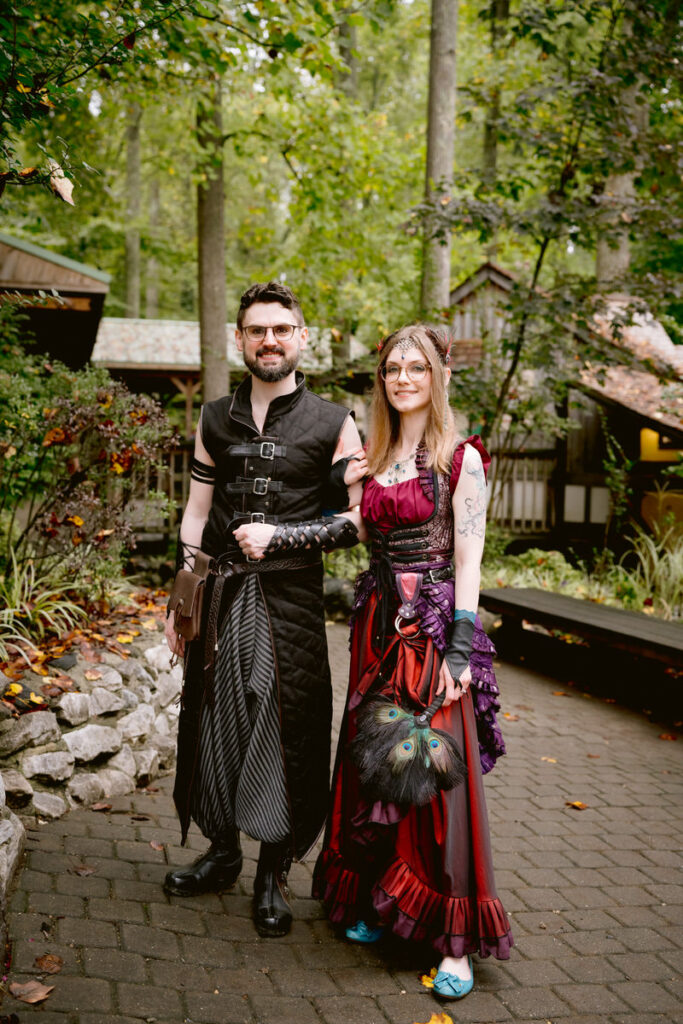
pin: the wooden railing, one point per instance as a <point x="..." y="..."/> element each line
<point x="520" y="495"/>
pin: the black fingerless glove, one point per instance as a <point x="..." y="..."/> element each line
<point x="457" y="653"/>
<point x="325" y="534"/>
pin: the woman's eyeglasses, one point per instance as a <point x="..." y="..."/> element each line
<point x="415" y="372"/>
<point x="281" y="332"/>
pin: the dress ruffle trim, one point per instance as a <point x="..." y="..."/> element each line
<point x="454" y="926"/>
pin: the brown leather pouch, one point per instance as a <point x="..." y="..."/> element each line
<point x="187" y="597"/>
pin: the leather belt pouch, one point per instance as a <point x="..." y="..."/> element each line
<point x="187" y="597"/>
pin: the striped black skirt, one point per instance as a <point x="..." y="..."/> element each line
<point x="240" y="773"/>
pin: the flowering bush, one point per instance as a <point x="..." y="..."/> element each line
<point x="78" y="452"/>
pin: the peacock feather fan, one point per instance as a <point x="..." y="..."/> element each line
<point x="401" y="758"/>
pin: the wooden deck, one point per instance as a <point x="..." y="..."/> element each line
<point x="633" y="632"/>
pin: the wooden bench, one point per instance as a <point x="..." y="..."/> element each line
<point x="631" y="632"/>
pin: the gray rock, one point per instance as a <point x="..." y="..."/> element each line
<point x="6" y="831"/>
<point x="165" y="745"/>
<point x="93" y="741"/>
<point x="159" y="657"/>
<point x="124" y="761"/>
<point x="115" y="783"/>
<point x="28" y="730"/>
<point x="73" y="708"/>
<point x="47" y="805"/>
<point x="104" y="702"/>
<point x="138" y="723"/>
<point x="130" y="699"/>
<point x="115" y="661"/>
<point x="167" y="690"/>
<point x="173" y="710"/>
<point x="136" y="671"/>
<point x="146" y="765"/>
<point x="110" y="679"/>
<point x="54" y="767"/>
<point x="3" y="796"/>
<point x="143" y="691"/>
<point x="10" y="850"/>
<point x="17" y="789"/>
<point x="161" y="724"/>
<point x="85" y="788"/>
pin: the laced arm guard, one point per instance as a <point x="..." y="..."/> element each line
<point x="457" y="653"/>
<point x="326" y="533"/>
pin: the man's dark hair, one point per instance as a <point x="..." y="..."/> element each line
<point x="271" y="292"/>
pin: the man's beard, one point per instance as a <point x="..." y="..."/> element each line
<point x="271" y="374"/>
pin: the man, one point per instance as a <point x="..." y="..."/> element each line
<point x="254" y="729"/>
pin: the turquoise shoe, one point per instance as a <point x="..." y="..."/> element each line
<point x="360" y="932"/>
<point x="450" y="986"/>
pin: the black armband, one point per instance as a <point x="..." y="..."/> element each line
<point x="459" y="649"/>
<point x="326" y="534"/>
<point x="202" y="473"/>
<point x="335" y="496"/>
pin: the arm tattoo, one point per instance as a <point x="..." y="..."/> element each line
<point x="475" y="521"/>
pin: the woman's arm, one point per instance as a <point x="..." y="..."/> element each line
<point x="469" y="514"/>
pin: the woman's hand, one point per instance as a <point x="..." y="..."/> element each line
<point x="357" y="467"/>
<point x="254" y="538"/>
<point x="175" y="642"/>
<point x="454" y="691"/>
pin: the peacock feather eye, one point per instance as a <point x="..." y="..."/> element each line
<point x="434" y="743"/>
<point x="393" y="713"/>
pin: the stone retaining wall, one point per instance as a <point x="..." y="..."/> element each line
<point x="101" y="739"/>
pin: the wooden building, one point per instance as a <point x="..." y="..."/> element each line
<point x="64" y="298"/>
<point x="560" y="488"/>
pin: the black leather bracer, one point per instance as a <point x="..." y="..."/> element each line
<point x="326" y="534"/>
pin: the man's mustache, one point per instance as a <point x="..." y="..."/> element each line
<point x="270" y="350"/>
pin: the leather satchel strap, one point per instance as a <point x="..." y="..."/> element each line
<point x="259" y="450"/>
<point x="211" y="639"/>
<point x="258" y="485"/>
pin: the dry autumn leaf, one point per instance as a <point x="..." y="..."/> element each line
<point x="439" y="1018"/>
<point x="91" y="674"/>
<point x="30" y="991"/>
<point x="156" y="845"/>
<point x="83" y="870"/>
<point x="49" y="963"/>
<point x="593" y="755"/>
<point x="510" y="718"/>
<point x="578" y="805"/>
<point x="150" y="624"/>
<point x="60" y="184"/>
<point x="428" y="979"/>
<point x="124" y="638"/>
<point x="667" y="736"/>
<point x="561" y="693"/>
<point x="101" y="807"/>
<point x="550" y="760"/>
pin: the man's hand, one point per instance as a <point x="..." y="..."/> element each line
<point x="454" y="691"/>
<point x="253" y="538"/>
<point x="357" y="466"/>
<point x="176" y="643"/>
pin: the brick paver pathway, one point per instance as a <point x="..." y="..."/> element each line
<point x="594" y="896"/>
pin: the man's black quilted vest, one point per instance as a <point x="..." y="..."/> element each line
<point x="280" y="474"/>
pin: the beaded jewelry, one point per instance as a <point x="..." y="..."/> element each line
<point x="398" y="470"/>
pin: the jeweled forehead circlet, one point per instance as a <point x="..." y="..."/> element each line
<point x="405" y="345"/>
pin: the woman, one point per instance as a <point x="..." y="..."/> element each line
<point x="424" y="872"/>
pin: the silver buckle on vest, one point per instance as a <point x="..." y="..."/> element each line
<point x="267" y="450"/>
<point x="258" y="517"/>
<point x="260" y="485"/>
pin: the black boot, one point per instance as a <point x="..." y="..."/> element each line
<point x="214" y="871"/>
<point x="272" y="913"/>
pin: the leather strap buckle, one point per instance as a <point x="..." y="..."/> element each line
<point x="257" y="517"/>
<point x="260" y="485"/>
<point x="267" y="449"/>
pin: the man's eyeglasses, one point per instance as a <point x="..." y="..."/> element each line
<point x="415" y="372"/>
<point x="281" y="332"/>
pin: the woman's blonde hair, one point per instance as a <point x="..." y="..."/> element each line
<point x="439" y="436"/>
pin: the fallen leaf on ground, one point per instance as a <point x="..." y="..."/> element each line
<point x="83" y="870"/>
<point x="155" y="844"/>
<point x="561" y="693"/>
<point x="139" y="817"/>
<point x="150" y="624"/>
<point x="439" y="1018"/>
<point x="578" y="805"/>
<point x="101" y="807"/>
<point x="592" y="755"/>
<point x="667" y="736"/>
<point x="124" y="638"/>
<point x="30" y="991"/>
<point x="550" y="760"/>
<point x="428" y="979"/>
<point x="49" y="963"/>
<point x="91" y="674"/>
<point x="510" y="718"/>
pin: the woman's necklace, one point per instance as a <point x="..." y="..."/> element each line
<point x="399" y="468"/>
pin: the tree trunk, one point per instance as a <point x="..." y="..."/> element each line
<point x="152" y="268"/>
<point x="133" y="176"/>
<point x="499" y="11"/>
<point x="436" y="263"/>
<point x="215" y="374"/>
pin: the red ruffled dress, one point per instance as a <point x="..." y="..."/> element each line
<point x="425" y="872"/>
